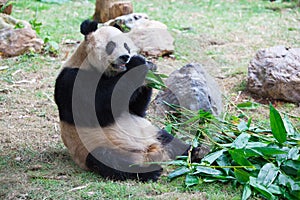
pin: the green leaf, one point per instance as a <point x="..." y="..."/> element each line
<point x="260" y="188"/>
<point x="274" y="189"/>
<point x="246" y="192"/>
<point x="178" y="172"/>
<point x="248" y="105"/>
<point x="241" y="141"/>
<point x="256" y="144"/>
<point x="239" y="158"/>
<point x="291" y="167"/>
<point x="218" y="178"/>
<point x="168" y="128"/>
<point x="224" y="161"/>
<point x="207" y="170"/>
<point x="210" y="158"/>
<point x="294" y="153"/>
<point x="242" y="126"/>
<point x="177" y="162"/>
<point x="155" y="80"/>
<point x="249" y="122"/>
<point x="269" y="151"/>
<point x="285" y="180"/>
<point x="241" y="175"/>
<point x="277" y="126"/>
<point x="205" y="114"/>
<point x="288" y="126"/>
<point x="191" y="180"/>
<point x="267" y="174"/>
<point x="296" y="186"/>
<point x="247" y="152"/>
<point x="195" y="142"/>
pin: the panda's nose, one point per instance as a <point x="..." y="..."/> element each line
<point x="124" y="58"/>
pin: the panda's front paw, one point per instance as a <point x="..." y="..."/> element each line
<point x="135" y="61"/>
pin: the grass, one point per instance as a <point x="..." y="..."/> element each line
<point x="221" y="35"/>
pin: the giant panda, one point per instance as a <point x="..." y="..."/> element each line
<point x="102" y="98"/>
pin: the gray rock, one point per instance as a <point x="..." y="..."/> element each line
<point x="15" y="41"/>
<point x="192" y="88"/>
<point x="126" y="22"/>
<point x="275" y="73"/>
<point x="152" y="38"/>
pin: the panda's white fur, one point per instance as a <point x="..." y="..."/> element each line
<point x="130" y="134"/>
<point x="91" y="52"/>
<point x="125" y="140"/>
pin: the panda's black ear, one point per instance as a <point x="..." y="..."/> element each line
<point x="88" y="26"/>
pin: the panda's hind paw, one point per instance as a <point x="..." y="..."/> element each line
<point x="199" y="152"/>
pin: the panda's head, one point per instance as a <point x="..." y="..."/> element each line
<point x="107" y="48"/>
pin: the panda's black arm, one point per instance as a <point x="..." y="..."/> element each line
<point x="140" y="100"/>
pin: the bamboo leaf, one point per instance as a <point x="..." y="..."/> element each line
<point x="291" y="167"/>
<point x="246" y="192"/>
<point x="168" y="128"/>
<point x="269" y="151"/>
<point x="267" y="174"/>
<point x="210" y="158"/>
<point x="288" y="126"/>
<point x="207" y="170"/>
<point x="241" y="175"/>
<point x="274" y="189"/>
<point x="239" y="158"/>
<point x="178" y="172"/>
<point x="191" y="180"/>
<point x="260" y="188"/>
<point x="155" y="80"/>
<point x="285" y="180"/>
<point x="241" y="141"/>
<point x="242" y="126"/>
<point x="224" y="161"/>
<point x="248" y="105"/>
<point x="294" y="153"/>
<point x="277" y="126"/>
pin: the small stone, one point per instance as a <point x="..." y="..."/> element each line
<point x="35" y="167"/>
<point x="18" y="159"/>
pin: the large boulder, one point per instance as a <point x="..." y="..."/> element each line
<point x="275" y="73"/>
<point x="192" y="88"/>
<point x="150" y="36"/>
<point x="126" y="22"/>
<point x="17" y="37"/>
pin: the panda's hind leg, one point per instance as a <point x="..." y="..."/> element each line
<point x="176" y="147"/>
<point x="116" y="165"/>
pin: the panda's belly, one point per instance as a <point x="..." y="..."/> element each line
<point x="132" y="134"/>
<point x="129" y="132"/>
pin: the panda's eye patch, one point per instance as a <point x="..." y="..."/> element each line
<point x="110" y="47"/>
<point x="127" y="47"/>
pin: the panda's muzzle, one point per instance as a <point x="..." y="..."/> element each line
<point x="120" y="63"/>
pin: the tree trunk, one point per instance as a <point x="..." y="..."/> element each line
<point x="110" y="9"/>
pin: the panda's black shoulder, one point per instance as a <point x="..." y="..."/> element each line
<point x="63" y="93"/>
<point x="65" y="79"/>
